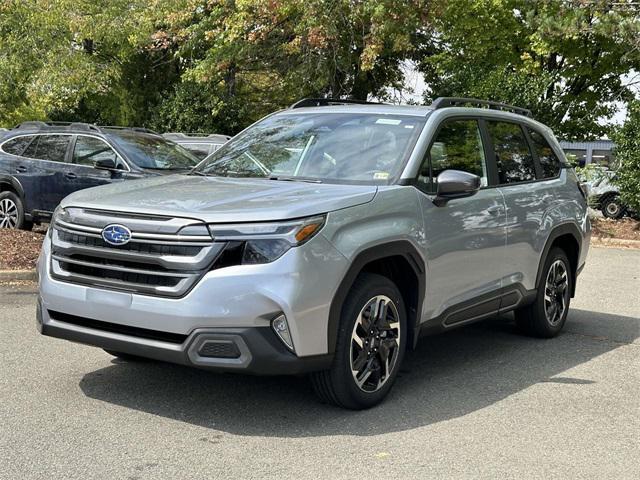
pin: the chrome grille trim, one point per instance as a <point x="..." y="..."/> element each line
<point x="117" y="268"/>
<point x="157" y="260"/>
<point x="153" y="237"/>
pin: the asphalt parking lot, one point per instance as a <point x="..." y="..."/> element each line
<point x="479" y="402"/>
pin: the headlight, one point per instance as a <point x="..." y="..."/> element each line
<point x="59" y="214"/>
<point x="255" y="243"/>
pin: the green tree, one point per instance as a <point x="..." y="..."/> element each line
<point x="627" y="151"/>
<point x="79" y="60"/>
<point x="563" y="59"/>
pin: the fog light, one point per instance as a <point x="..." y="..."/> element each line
<point x="281" y="327"/>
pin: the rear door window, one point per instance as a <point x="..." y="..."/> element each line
<point x="49" y="147"/>
<point x="549" y="161"/>
<point x="513" y="156"/>
<point x="17" y="145"/>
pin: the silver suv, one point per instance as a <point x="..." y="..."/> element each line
<point x="324" y="239"/>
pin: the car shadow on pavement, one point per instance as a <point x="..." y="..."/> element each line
<point x="446" y="377"/>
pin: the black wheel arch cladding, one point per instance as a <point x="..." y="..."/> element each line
<point x="376" y="257"/>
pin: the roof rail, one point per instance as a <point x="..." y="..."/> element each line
<point x="176" y="135"/>
<point x="442" y="102"/>
<point x="325" y="102"/>
<point x="194" y="135"/>
<point x="39" y="125"/>
<point x="134" y="129"/>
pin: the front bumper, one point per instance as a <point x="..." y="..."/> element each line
<point x="233" y="305"/>
<point x="255" y="350"/>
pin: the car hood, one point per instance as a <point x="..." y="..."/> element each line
<point x="217" y="199"/>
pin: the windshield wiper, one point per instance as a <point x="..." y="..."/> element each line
<point x="294" y="179"/>
<point x="197" y="172"/>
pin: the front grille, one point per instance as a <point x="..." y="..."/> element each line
<point x="126" y="277"/>
<point x="158" y="260"/>
<point x="150" y="248"/>
<point x="117" y="328"/>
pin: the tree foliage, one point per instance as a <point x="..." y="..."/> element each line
<point x="218" y="65"/>
<point x="562" y="59"/>
<point x="627" y="139"/>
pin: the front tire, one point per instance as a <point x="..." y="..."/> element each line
<point x="546" y="316"/>
<point x="371" y="341"/>
<point x="12" y="212"/>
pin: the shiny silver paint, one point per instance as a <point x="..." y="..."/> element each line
<point x="221" y="200"/>
<point x="471" y="246"/>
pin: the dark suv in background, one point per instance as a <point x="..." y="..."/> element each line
<point x="41" y="163"/>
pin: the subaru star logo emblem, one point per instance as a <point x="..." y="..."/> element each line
<point x="116" y="234"/>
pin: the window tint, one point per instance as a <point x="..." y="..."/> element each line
<point x="30" y="151"/>
<point x="457" y="146"/>
<point x="513" y="157"/>
<point x="17" y="145"/>
<point x="88" y="150"/>
<point x="152" y="151"/>
<point x="548" y="159"/>
<point x="48" y="147"/>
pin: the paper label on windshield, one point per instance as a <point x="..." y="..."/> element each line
<point x="388" y="121"/>
<point x="381" y="175"/>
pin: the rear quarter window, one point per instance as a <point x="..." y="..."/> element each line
<point x="549" y="161"/>
<point x="17" y="145"/>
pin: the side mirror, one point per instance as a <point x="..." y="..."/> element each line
<point x="105" y="164"/>
<point x="455" y="184"/>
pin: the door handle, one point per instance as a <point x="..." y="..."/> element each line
<point x="21" y="169"/>
<point x="495" y="210"/>
<point x="70" y="175"/>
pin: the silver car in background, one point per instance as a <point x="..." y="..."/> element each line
<point x="324" y="239"/>
<point x="199" y="145"/>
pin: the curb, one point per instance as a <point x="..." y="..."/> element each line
<point x="12" y="275"/>
<point x="614" y="242"/>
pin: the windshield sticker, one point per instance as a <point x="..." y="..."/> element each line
<point x="388" y="121"/>
<point x="381" y="175"/>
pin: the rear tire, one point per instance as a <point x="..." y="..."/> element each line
<point x="371" y="341"/>
<point x="546" y="316"/>
<point x="12" y="212"/>
<point x="612" y="208"/>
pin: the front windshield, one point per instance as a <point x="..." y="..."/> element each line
<point x="152" y="152"/>
<point x="334" y="147"/>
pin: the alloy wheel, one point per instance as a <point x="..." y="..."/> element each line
<point x="375" y="343"/>
<point x="8" y="213"/>
<point x="556" y="292"/>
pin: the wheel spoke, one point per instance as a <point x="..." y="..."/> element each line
<point x="365" y="374"/>
<point x="375" y="340"/>
<point x="367" y="316"/>
<point x="360" y="361"/>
